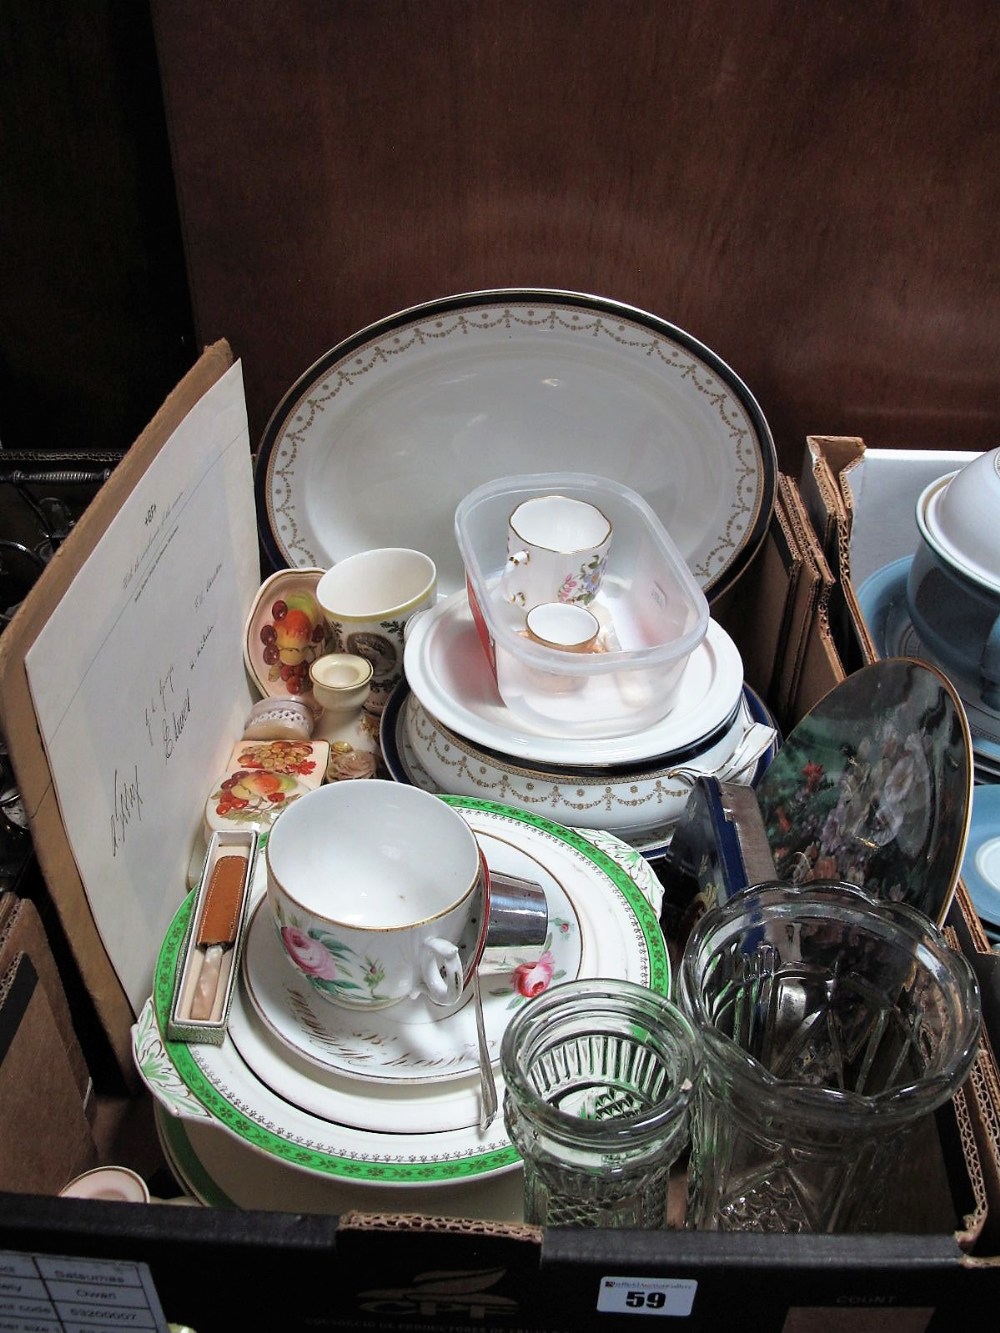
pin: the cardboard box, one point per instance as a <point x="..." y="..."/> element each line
<point x="219" y="1269"/>
<point x="866" y="500"/>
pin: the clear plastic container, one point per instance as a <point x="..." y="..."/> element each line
<point x="651" y="611"/>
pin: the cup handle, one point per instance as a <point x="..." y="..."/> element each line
<point x="441" y="970"/>
<point x="515" y="560"/>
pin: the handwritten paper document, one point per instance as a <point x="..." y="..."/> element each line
<point x="138" y="679"/>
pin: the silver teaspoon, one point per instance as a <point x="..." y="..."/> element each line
<point x="488" y="1087"/>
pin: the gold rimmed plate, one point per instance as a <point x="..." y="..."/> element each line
<point x="874" y="786"/>
<point x="379" y="440"/>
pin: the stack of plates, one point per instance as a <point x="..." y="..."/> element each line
<point x="379" y="442"/>
<point x="448" y="730"/>
<point x="882" y="600"/>
<point x="305" y="1106"/>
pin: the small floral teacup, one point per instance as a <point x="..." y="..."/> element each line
<point x="557" y="551"/>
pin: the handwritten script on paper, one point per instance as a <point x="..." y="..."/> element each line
<point x="138" y="678"/>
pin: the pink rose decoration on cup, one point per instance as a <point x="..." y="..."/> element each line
<point x="308" y="954"/>
<point x="530" y="979"/>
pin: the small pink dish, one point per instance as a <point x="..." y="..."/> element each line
<point x="116" y="1184"/>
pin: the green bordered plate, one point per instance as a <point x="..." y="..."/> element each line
<point x="610" y="890"/>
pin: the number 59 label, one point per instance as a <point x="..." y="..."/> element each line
<point x="646" y="1295"/>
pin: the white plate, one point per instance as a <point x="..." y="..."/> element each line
<point x="221" y="1171"/>
<point x="215" y="1084"/>
<point x="415" y="1042"/>
<point x="447" y="670"/>
<point x="376" y="444"/>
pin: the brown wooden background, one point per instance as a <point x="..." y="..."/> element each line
<point x="95" y="322"/>
<point x="812" y="189"/>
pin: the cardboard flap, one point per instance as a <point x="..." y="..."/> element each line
<point x="808" y="666"/>
<point x="21" y="931"/>
<point x="757" y="610"/>
<point x="20" y="725"/>
<point x="46" y="1139"/>
<point x="828" y="504"/>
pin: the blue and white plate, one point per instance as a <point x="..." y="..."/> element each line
<point x="882" y="599"/>
<point x="981" y="863"/>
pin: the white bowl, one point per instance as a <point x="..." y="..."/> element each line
<point x="959" y="515"/>
<point x="625" y="801"/>
<point x="953" y="586"/>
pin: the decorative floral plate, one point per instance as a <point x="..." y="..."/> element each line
<point x="216" y="1085"/>
<point x="874" y="786"/>
<point x="376" y="444"/>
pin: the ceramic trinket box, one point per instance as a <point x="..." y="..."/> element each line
<point x="260" y="780"/>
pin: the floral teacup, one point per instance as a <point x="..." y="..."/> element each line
<point x="379" y="894"/>
<point x="557" y="551"/>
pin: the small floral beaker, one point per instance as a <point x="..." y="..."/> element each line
<point x="599" y="1076"/>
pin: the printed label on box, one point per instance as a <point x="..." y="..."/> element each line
<point x="647" y="1295"/>
<point x="52" y="1292"/>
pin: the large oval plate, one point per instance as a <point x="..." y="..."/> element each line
<point x="377" y="442"/>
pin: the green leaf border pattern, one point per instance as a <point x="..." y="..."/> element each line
<point x="241" y="1120"/>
